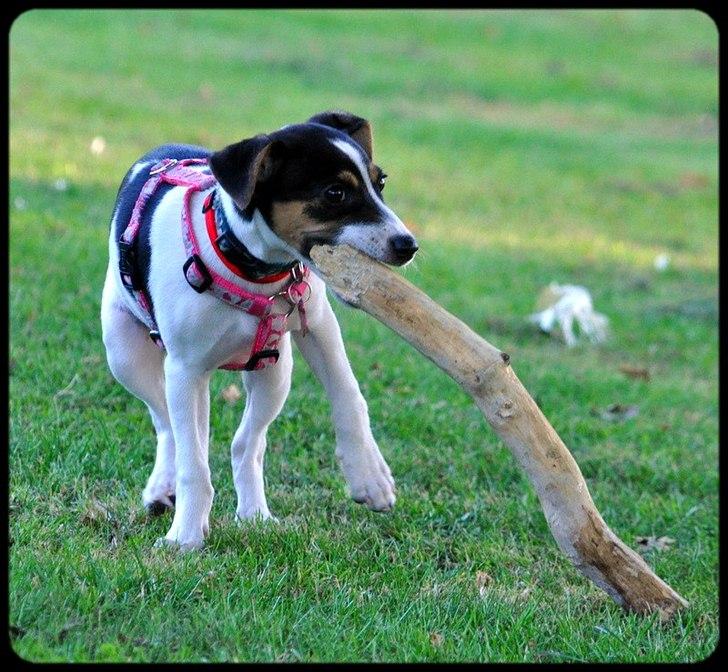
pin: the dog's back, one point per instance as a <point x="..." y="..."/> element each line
<point x="138" y="174"/>
<point x="126" y="198"/>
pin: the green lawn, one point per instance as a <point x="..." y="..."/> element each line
<point x="522" y="147"/>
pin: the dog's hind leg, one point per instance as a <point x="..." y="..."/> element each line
<point x="266" y="392"/>
<point x="138" y="365"/>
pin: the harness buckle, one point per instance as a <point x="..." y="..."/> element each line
<point x="297" y="272"/>
<point x="207" y="205"/>
<point x="161" y="167"/>
<point x="127" y="265"/>
<point x="196" y="274"/>
<point x="254" y="359"/>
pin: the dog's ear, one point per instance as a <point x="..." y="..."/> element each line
<point x="241" y="166"/>
<point x="356" y="128"/>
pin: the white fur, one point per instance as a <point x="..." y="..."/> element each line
<point x="373" y="239"/>
<point x="200" y="333"/>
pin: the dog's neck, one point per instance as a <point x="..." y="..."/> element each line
<point x="255" y="234"/>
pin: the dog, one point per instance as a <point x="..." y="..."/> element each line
<point x="209" y="268"/>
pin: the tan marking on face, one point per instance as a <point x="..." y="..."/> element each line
<point x="373" y="173"/>
<point x="291" y="223"/>
<point x="349" y="178"/>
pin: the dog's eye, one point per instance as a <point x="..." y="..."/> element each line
<point x="335" y="193"/>
<point x="382" y="181"/>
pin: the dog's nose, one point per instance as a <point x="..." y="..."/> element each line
<point x="404" y="247"/>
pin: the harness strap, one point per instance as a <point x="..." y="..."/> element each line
<point x="128" y="267"/>
<point x="271" y="327"/>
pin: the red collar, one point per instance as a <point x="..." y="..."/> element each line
<point x="212" y="234"/>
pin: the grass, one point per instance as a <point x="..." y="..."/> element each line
<point x="523" y="147"/>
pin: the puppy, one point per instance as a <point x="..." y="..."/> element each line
<point x="209" y="268"/>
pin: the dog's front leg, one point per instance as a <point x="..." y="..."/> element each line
<point x="188" y="401"/>
<point x="266" y="392"/>
<point x="369" y="478"/>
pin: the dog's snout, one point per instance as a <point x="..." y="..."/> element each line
<point x="403" y="247"/>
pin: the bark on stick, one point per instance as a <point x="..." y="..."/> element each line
<point x="485" y="373"/>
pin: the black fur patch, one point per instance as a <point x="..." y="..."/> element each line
<point x="310" y="163"/>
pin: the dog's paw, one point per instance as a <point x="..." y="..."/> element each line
<point x="369" y="478"/>
<point x="164" y="542"/>
<point x="189" y="538"/>
<point x="159" y="496"/>
<point x="158" y="507"/>
<point x="254" y="512"/>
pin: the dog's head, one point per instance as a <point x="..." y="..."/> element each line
<point x="316" y="183"/>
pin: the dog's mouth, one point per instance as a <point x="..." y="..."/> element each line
<point x="399" y="250"/>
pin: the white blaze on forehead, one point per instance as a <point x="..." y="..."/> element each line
<point x="354" y="155"/>
<point x="393" y="224"/>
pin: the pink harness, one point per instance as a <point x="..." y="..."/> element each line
<point x="272" y="325"/>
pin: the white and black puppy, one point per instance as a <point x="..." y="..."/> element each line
<point x="253" y="212"/>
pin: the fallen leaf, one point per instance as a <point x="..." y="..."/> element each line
<point x="523" y="595"/>
<point x="658" y="543"/>
<point x="691" y="180"/>
<point x="617" y="412"/>
<point x="96" y="512"/>
<point x="231" y="394"/>
<point x="635" y="371"/>
<point x="67" y="390"/>
<point x="482" y="581"/>
<point x="436" y="639"/>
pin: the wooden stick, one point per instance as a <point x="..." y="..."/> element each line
<point x="485" y="373"/>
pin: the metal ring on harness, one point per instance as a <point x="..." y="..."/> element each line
<point x="288" y="296"/>
<point x="167" y="163"/>
<point x="304" y="297"/>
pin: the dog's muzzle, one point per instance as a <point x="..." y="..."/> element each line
<point x="403" y="248"/>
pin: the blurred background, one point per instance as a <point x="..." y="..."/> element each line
<point x="559" y="138"/>
<point x="522" y="147"/>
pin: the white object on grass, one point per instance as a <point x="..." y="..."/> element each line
<point x="662" y="261"/>
<point x="561" y="305"/>
<point x="98" y="145"/>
